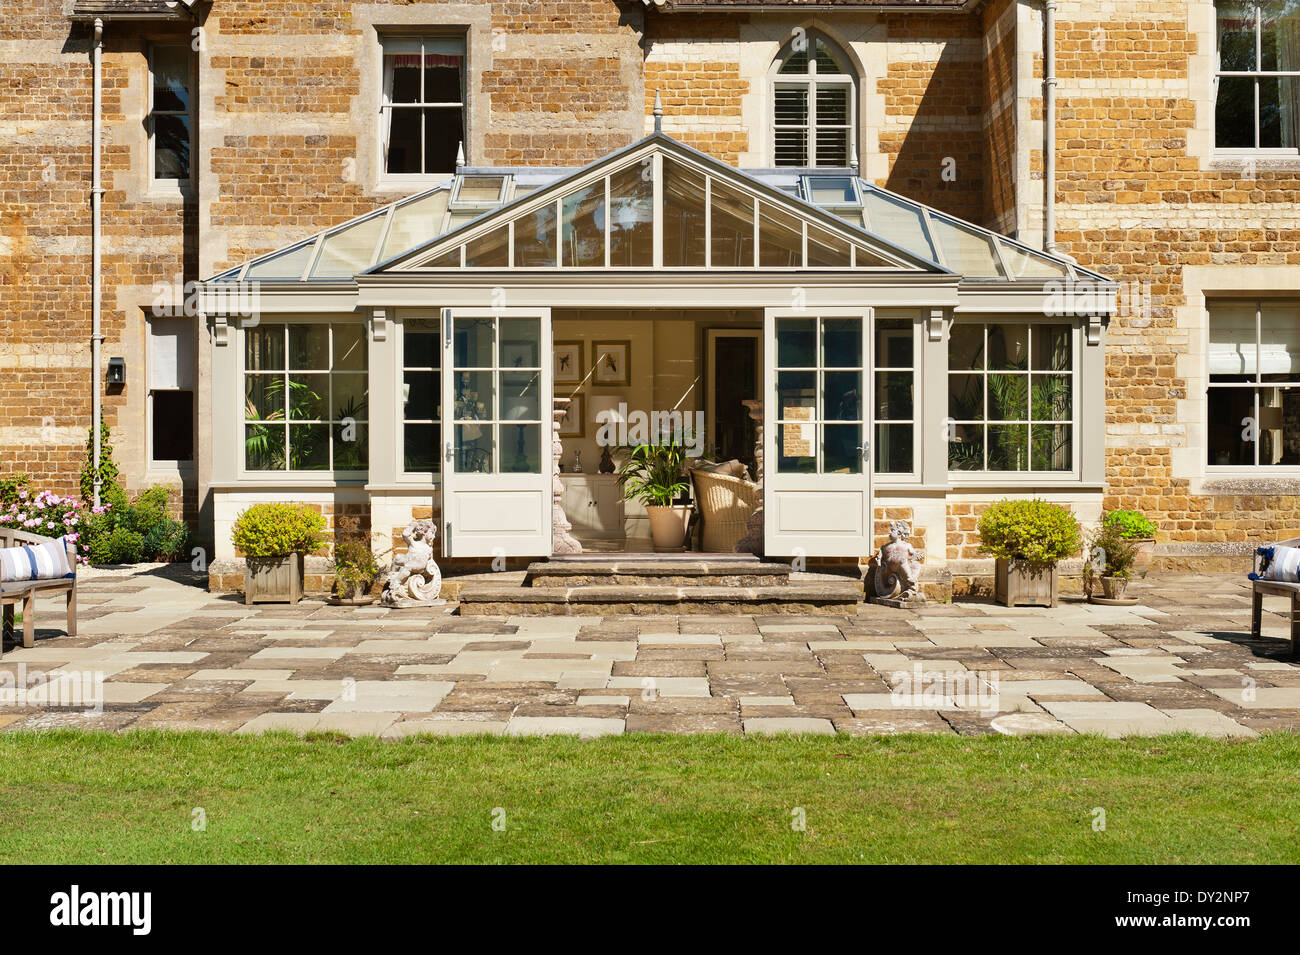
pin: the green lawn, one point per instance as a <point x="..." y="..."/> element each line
<point x="90" y="797"/>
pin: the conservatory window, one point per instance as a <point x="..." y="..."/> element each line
<point x="305" y="394"/>
<point x="1010" y="397"/>
<point x="421" y="396"/>
<point x="609" y="222"/>
<point x="895" y="384"/>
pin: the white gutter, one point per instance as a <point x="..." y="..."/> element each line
<point x="96" y="197"/>
<point x="1049" y="125"/>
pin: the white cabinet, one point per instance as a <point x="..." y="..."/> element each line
<point x="593" y="504"/>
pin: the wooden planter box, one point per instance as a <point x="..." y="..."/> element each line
<point x="273" y="579"/>
<point x="1017" y="584"/>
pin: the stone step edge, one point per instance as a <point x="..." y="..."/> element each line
<point x="846" y="593"/>
<point x="647" y="568"/>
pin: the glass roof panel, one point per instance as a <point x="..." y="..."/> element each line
<point x="480" y="189"/>
<point x="415" y="223"/>
<point x="832" y="190"/>
<point x="349" y="251"/>
<point x="230" y="276"/>
<point x="287" y="265"/>
<point x="897" y="222"/>
<point x="1024" y="264"/>
<point x="490" y="250"/>
<point x="965" y="251"/>
<point x="826" y="250"/>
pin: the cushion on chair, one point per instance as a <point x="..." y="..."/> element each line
<point x="1280" y="564"/>
<point x="732" y="468"/>
<point x="44" y="561"/>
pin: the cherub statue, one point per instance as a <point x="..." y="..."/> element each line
<point x="415" y="580"/>
<point x="898" y="565"/>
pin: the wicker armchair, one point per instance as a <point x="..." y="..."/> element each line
<point x="726" y="504"/>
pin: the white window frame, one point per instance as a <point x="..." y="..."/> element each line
<point x="167" y="466"/>
<point x="914" y="333"/>
<point x="810" y="81"/>
<point x="386" y="107"/>
<point x="1256" y="75"/>
<point x="168" y="187"/>
<point x="288" y="473"/>
<point x="959" y="477"/>
<point x="417" y="477"/>
<point x="1243" y="470"/>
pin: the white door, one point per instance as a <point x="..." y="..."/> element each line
<point x="497" y="432"/>
<point x="816" y="433"/>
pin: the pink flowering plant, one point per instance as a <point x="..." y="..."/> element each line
<point x="45" y="513"/>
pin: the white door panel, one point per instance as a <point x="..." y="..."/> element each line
<point x="497" y="433"/>
<point x="817" y="433"/>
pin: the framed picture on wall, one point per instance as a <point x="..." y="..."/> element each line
<point x="612" y="363"/>
<point x="572" y="424"/>
<point x="568" y="363"/>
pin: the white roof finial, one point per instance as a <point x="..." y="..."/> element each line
<point x="460" y="154"/>
<point x="659" y="114"/>
<point x="853" y="158"/>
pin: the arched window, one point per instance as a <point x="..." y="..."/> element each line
<point x="814" y="101"/>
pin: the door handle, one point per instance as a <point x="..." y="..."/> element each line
<point x="864" y="449"/>
<point x="450" y="452"/>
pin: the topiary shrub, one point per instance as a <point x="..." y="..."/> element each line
<point x="1032" y="531"/>
<point x="277" y="530"/>
<point x="1133" y="525"/>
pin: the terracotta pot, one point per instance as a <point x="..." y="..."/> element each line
<point x="1113" y="587"/>
<point x="668" y="525"/>
<point x="1146" y="552"/>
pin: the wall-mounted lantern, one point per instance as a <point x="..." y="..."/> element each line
<point x="117" y="371"/>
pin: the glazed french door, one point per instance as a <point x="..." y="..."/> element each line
<point x="497" y="432"/>
<point x="816" y="433"/>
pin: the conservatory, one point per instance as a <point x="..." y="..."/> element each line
<point x="870" y="356"/>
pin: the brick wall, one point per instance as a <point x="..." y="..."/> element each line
<point x="1139" y="202"/>
<point x="46" y="381"/>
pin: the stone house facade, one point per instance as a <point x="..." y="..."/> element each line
<point x="288" y="116"/>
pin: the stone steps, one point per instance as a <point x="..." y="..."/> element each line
<point x="723" y="570"/>
<point x="841" y="596"/>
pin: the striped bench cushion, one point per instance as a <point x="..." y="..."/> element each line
<point x="44" y="561"/>
<point x="1281" y="565"/>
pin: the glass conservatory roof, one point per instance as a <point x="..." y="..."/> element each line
<point x="710" y="216"/>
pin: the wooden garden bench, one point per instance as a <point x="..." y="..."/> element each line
<point x="1276" y="589"/>
<point x="25" y="592"/>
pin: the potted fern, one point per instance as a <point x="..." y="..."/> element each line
<point x="1028" y="538"/>
<point x="273" y="538"/>
<point x="1135" y="528"/>
<point x="654" y="476"/>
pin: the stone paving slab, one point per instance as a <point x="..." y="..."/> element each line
<point x="170" y="655"/>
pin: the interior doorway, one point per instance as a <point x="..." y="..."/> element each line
<point x="625" y="369"/>
<point x="734" y="362"/>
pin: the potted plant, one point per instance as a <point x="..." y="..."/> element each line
<point x="654" y="476"/>
<point x="1111" y="558"/>
<point x="1138" y="530"/>
<point x="355" y="572"/>
<point x="273" y="539"/>
<point x="1028" y="538"/>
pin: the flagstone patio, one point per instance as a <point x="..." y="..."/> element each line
<point x="173" y="655"/>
